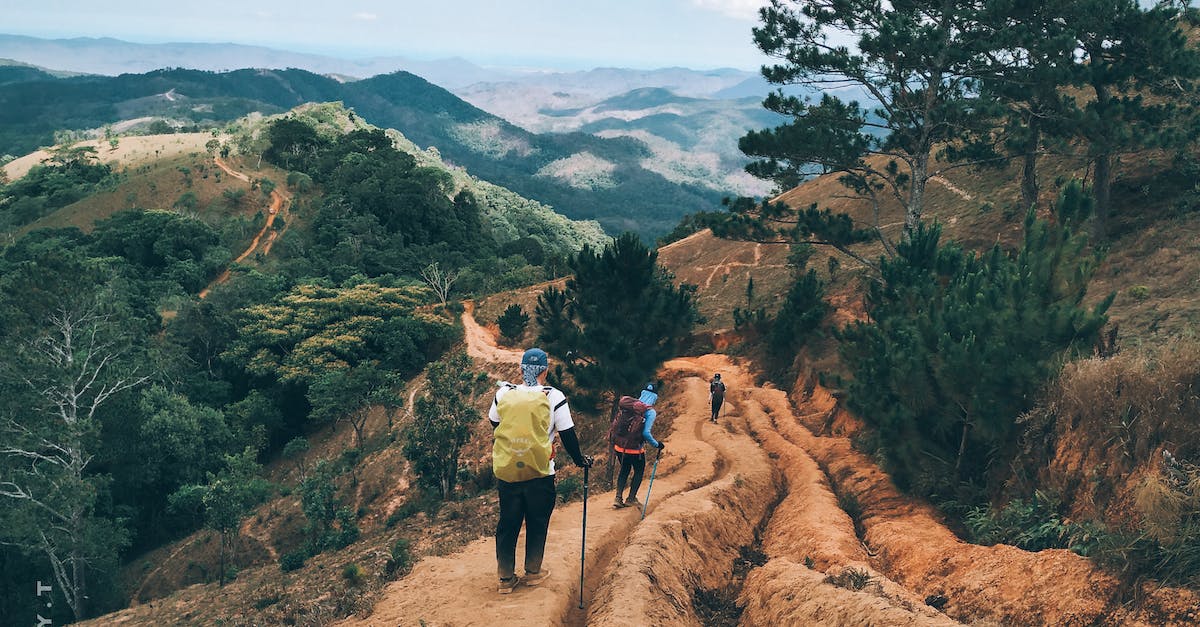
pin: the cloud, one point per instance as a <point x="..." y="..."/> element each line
<point x="366" y="17"/>
<point x="738" y="9"/>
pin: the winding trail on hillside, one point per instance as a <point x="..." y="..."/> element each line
<point x="952" y="187"/>
<point x="764" y="479"/>
<point x="481" y="344"/>
<point x="278" y="207"/>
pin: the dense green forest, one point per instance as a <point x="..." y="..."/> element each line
<point x="33" y="108"/>
<point x="128" y="425"/>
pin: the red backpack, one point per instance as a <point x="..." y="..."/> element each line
<point x="626" y="428"/>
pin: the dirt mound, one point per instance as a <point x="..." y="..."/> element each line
<point x="786" y="593"/>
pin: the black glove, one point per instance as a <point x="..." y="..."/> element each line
<point x="586" y="463"/>
<point x="661" y="446"/>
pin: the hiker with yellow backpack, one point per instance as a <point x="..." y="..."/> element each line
<point x="525" y="419"/>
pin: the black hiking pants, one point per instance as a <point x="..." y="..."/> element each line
<point x="529" y="502"/>
<point x="636" y="463"/>
<point x="717" y="400"/>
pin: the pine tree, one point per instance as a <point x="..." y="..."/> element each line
<point x="1136" y="66"/>
<point x="512" y="322"/>
<point x="1133" y="65"/>
<point x="914" y="64"/>
<point x="958" y="345"/>
<point x="618" y="320"/>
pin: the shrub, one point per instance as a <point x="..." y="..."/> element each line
<point x="293" y="561"/>
<point x="850" y="578"/>
<point x="347" y="531"/>
<point x="569" y="488"/>
<point x="1138" y="292"/>
<point x="1032" y="524"/>
<point x="401" y="559"/>
<point x="354" y="574"/>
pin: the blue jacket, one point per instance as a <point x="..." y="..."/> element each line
<point x="649" y="398"/>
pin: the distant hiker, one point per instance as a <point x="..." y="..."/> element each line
<point x="525" y="419"/>
<point x="629" y="430"/>
<point x="716" y="395"/>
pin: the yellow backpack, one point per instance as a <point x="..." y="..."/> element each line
<point x="522" y="448"/>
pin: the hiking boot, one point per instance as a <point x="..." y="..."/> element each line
<point x="618" y="503"/>
<point x="508" y="585"/>
<point x="633" y="502"/>
<point x="533" y="579"/>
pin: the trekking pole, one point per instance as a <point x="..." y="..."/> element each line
<point x="583" y="542"/>
<point x="651" y="486"/>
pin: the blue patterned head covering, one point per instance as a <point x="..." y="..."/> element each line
<point x="649" y="395"/>
<point x="533" y="363"/>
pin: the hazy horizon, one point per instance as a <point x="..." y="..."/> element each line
<point x="520" y="34"/>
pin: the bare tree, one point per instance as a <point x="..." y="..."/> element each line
<point x="72" y="370"/>
<point x="439" y="280"/>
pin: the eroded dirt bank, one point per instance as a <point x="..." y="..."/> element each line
<point x="810" y="537"/>
<point x="763" y="469"/>
<point x="691" y="541"/>
<point x="1001" y="583"/>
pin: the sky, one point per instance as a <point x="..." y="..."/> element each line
<point x="545" y="34"/>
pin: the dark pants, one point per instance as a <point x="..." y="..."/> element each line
<point x="529" y="502"/>
<point x="637" y="463"/>
<point x="716" y="405"/>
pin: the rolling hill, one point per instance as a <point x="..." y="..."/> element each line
<point x="582" y="176"/>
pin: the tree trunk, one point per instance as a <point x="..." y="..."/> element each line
<point x="916" y="196"/>
<point x="221" y="575"/>
<point x="79" y="582"/>
<point x="359" y="423"/>
<point x="1102" y="190"/>
<point x="962" y="449"/>
<point x="1029" y="183"/>
<point x="1103" y="159"/>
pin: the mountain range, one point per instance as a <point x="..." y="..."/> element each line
<point x="582" y="176"/>
<point x="671" y="131"/>
<point x="725" y="102"/>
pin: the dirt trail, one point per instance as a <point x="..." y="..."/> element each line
<point x="134" y="599"/>
<point x="951" y="186"/>
<point x="762" y="478"/>
<point x="278" y="208"/>
<point x="460" y="589"/>
<point x="481" y="344"/>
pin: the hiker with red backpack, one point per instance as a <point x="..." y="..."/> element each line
<point x="629" y="431"/>
<point x="716" y="395"/>
<point x="525" y="419"/>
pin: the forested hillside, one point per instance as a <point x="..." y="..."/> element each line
<point x="581" y="176"/>
<point x="169" y="395"/>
